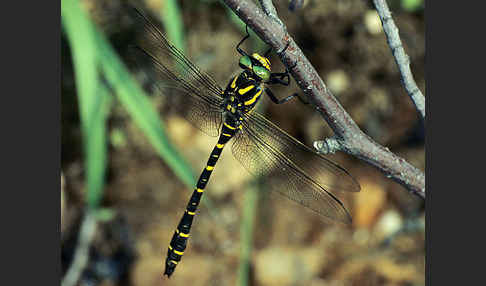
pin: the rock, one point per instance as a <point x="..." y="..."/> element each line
<point x="338" y="81"/>
<point x="287" y="266"/>
<point x="368" y="204"/>
<point x="389" y="223"/>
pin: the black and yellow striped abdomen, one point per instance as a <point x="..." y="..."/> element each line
<point x="241" y="96"/>
<point x="178" y="242"/>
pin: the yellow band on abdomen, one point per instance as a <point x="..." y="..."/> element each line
<point x="229" y="126"/>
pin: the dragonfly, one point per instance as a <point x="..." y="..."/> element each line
<point x="284" y="164"/>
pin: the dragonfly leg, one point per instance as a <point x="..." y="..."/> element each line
<point x="278" y="78"/>
<point x="240" y="50"/>
<point x="275" y="100"/>
<point x="280" y="54"/>
<point x="282" y="78"/>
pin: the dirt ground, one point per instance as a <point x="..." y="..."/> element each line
<point x="385" y="245"/>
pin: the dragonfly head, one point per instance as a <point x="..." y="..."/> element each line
<point x="259" y="65"/>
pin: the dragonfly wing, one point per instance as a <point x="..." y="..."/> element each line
<point x="326" y="173"/>
<point x="155" y="43"/>
<point x="199" y="95"/>
<point x="201" y="114"/>
<point x="282" y="175"/>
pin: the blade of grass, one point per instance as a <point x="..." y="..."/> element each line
<point x="92" y="97"/>
<point x="96" y="146"/>
<point x="174" y="27"/>
<point x="246" y="232"/>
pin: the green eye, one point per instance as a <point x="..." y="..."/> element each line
<point x="245" y="62"/>
<point x="262" y="73"/>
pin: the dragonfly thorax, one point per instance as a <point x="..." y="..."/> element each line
<point x="242" y="93"/>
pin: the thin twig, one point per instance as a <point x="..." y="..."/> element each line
<point x="349" y="137"/>
<point x="81" y="254"/>
<point x="401" y="58"/>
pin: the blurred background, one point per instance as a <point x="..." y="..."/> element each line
<point x="138" y="178"/>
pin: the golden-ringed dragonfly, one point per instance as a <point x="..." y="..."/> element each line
<point x="286" y="165"/>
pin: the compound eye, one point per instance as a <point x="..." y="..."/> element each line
<point x="245" y="62"/>
<point x="262" y="72"/>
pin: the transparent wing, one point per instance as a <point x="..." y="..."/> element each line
<point x="291" y="169"/>
<point x="326" y="173"/>
<point x="192" y="93"/>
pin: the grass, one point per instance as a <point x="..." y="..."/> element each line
<point x="94" y="58"/>
<point x="246" y="233"/>
<point x="170" y="14"/>
<point x="92" y="98"/>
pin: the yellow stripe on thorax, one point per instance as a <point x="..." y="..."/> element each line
<point x="246" y="89"/>
<point x="254" y="98"/>
<point x="233" y="84"/>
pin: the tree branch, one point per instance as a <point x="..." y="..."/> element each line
<point x="401" y="58"/>
<point x="348" y="136"/>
